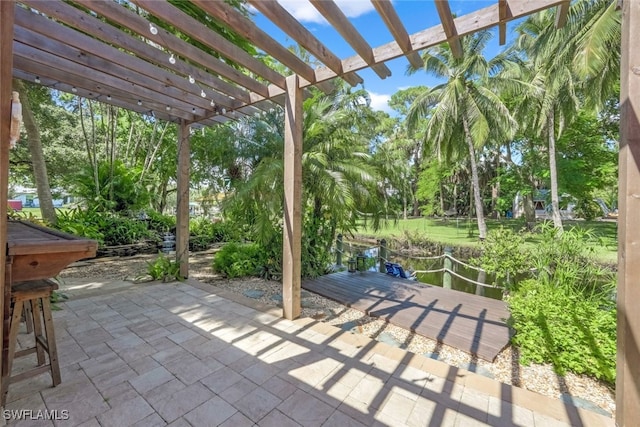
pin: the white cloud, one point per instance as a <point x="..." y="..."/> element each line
<point x="380" y="101"/>
<point x="305" y="12"/>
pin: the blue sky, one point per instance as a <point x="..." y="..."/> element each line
<point x="416" y="16"/>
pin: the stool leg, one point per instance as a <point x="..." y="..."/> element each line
<point x="28" y="317"/>
<point x="37" y="327"/>
<point x="13" y="336"/>
<point x="51" y="341"/>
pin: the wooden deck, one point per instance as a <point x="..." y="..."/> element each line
<point x="471" y="323"/>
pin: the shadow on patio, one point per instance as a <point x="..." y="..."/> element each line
<point x="191" y="354"/>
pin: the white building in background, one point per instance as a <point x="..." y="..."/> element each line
<point x="542" y="205"/>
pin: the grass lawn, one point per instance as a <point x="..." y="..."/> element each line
<point x="35" y="212"/>
<point x="464" y="232"/>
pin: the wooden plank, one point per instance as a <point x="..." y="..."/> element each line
<point x="247" y="29"/>
<point x="502" y="26"/>
<point x="292" y="222"/>
<point x="6" y="65"/>
<point x="182" y="208"/>
<point x="467" y="24"/>
<point x="446" y="18"/>
<point x="469" y="322"/>
<point x="340" y="22"/>
<point x="394" y="24"/>
<point x="80" y="20"/>
<point x="209" y="38"/>
<point x="562" y="11"/>
<point x="628" y="357"/>
<point x="287" y="23"/>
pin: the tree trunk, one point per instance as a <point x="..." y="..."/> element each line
<point x="495" y="188"/>
<point x="37" y="157"/>
<point x="482" y="226"/>
<point x="555" y="199"/>
<point x="529" y="211"/>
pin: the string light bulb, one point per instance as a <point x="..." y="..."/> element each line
<point x="152" y="29"/>
<point x="172" y="59"/>
<point x="74" y="90"/>
<point x="191" y="79"/>
<point x="202" y="93"/>
<point x="213" y="104"/>
<point x="168" y="108"/>
<point x="139" y="102"/>
<point x="108" y="97"/>
<point x="193" y="110"/>
<point x="224" y="110"/>
<point x="37" y="79"/>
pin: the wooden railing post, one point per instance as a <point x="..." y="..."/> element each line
<point x="382" y="256"/>
<point x="448" y="266"/>
<point x="339" y="250"/>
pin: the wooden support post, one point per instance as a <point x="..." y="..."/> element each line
<point x="292" y="226"/>
<point x="339" y="250"/>
<point x="628" y="361"/>
<point x="448" y="266"/>
<point x="6" y="64"/>
<point x="182" y="221"/>
<point x="382" y="256"/>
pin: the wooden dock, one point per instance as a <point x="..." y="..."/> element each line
<point x="471" y="323"/>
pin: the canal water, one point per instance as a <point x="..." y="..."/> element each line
<point x="410" y="264"/>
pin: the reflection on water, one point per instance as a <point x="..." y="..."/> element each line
<point x="436" y="279"/>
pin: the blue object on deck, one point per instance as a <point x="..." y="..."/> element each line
<point x="396" y="270"/>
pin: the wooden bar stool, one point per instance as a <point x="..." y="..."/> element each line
<point x="32" y="299"/>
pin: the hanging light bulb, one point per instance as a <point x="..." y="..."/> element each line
<point x="213" y="104"/>
<point x="168" y="108"/>
<point x="74" y="90"/>
<point x="37" y="79"/>
<point x="172" y="59"/>
<point x="193" y="110"/>
<point x="108" y="97"/>
<point x="152" y="29"/>
<point x="224" y="110"/>
<point x="202" y="93"/>
<point x="191" y="79"/>
<point x="139" y="102"/>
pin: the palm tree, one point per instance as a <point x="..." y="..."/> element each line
<point x="551" y="100"/>
<point x="464" y="110"/>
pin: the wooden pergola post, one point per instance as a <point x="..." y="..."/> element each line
<point x="6" y="65"/>
<point x="628" y="360"/>
<point x="292" y="226"/>
<point x="182" y="208"/>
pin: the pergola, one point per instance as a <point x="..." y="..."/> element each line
<point x="102" y="50"/>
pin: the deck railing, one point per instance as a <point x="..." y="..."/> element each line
<point x="384" y="253"/>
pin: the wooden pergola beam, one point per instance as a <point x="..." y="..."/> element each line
<point x="502" y="26"/>
<point x="394" y="24"/>
<point x="628" y="292"/>
<point x="562" y="11"/>
<point x="284" y="20"/>
<point x="292" y="221"/>
<point x="449" y="26"/>
<point x="167" y="12"/>
<point x="6" y="65"/>
<point x="77" y="19"/>
<point x="340" y="22"/>
<point x="247" y="29"/>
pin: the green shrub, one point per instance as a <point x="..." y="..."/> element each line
<point x="503" y="254"/>
<point x="238" y="260"/>
<point x="158" y="222"/>
<point x="120" y="230"/>
<point x="571" y="331"/>
<point x="82" y="222"/>
<point x="205" y="232"/>
<point x="165" y="269"/>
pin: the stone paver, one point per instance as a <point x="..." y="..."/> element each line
<point x="179" y="355"/>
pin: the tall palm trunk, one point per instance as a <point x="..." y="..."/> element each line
<point x="37" y="157"/>
<point x="555" y="199"/>
<point x="482" y="226"/>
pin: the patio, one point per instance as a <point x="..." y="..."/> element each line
<point x="189" y="354"/>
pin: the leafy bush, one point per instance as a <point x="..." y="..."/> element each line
<point x="81" y="222"/>
<point x="165" y="269"/>
<point x="205" y="232"/>
<point x="238" y="260"/>
<point x="503" y="254"/>
<point x="120" y="230"/>
<point x="158" y="222"/>
<point x="572" y="331"/>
